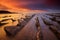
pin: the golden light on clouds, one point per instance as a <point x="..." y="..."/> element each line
<point x="14" y="5"/>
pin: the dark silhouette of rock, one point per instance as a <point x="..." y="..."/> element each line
<point x="4" y="11"/>
<point x="12" y="30"/>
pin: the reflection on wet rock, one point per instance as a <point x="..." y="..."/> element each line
<point x="13" y="30"/>
<point x="1" y="24"/>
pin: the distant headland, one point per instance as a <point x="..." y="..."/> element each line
<point x="3" y="11"/>
<point x="7" y="12"/>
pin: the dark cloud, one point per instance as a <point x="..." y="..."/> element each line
<point x="40" y="4"/>
<point x="34" y="4"/>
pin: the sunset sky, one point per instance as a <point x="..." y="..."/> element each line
<point x="29" y="5"/>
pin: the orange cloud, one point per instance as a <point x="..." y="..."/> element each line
<point x="15" y="5"/>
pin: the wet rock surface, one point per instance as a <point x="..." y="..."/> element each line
<point x="52" y="20"/>
<point x="41" y="27"/>
<point x="13" y="30"/>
